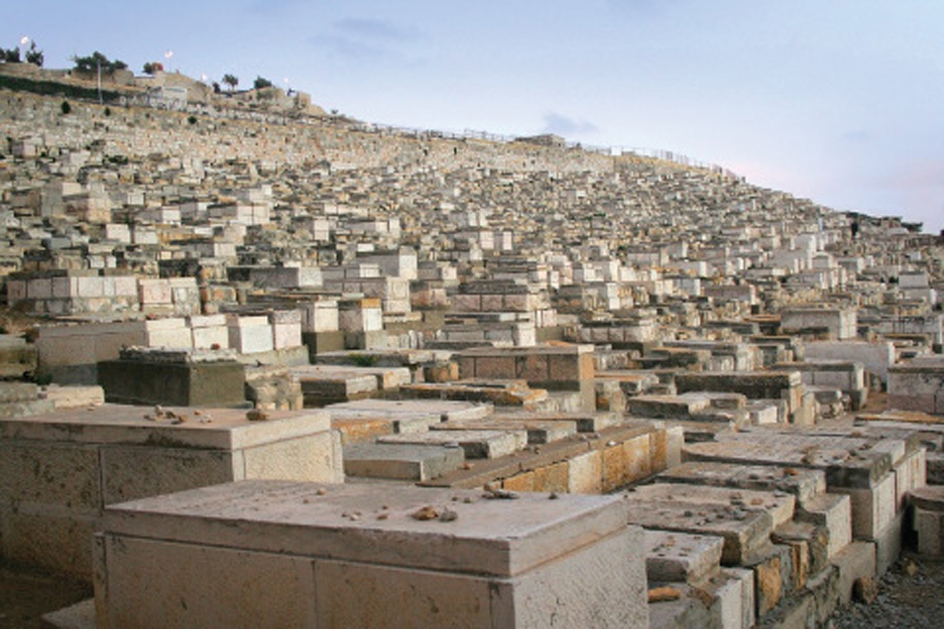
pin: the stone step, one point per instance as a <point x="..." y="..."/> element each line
<point x="832" y="512"/>
<point x="538" y="431"/>
<point x="445" y="409"/>
<point x="723" y="600"/>
<point x="388" y="378"/>
<point x="561" y="402"/>
<point x="321" y="387"/>
<point x="667" y="406"/>
<point x="401" y="461"/>
<point x="803" y="483"/>
<point x="854" y="562"/>
<point x="13" y="410"/>
<point x="746" y="529"/>
<point x="477" y="444"/>
<point x="64" y="397"/>
<point x="585" y="422"/>
<point x="498" y="392"/>
<point x="846" y="464"/>
<point x="18" y="392"/>
<point x="682" y="556"/>
<point x="780" y="505"/>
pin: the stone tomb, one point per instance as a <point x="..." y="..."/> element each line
<point x="917" y="385"/>
<point x="59" y="470"/>
<point x="174" y="377"/>
<point x="304" y="555"/>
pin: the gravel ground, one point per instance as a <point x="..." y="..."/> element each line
<point x="910" y="594"/>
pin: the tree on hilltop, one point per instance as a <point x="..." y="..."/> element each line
<point x="96" y="60"/>
<point x="11" y="55"/>
<point x="153" y="67"/>
<point x="232" y="80"/>
<point x="261" y="83"/>
<point x="34" y="55"/>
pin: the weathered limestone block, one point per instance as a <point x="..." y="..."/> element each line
<point x="917" y="385"/>
<point x="504" y="563"/>
<point x="785" y="386"/>
<point x="837" y="323"/>
<point x="59" y="470"/>
<point x="928" y="510"/>
<point x="250" y="334"/>
<point x="180" y="383"/>
<point x="209" y="331"/>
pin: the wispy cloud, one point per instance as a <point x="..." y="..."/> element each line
<point x="365" y="39"/>
<point x="562" y="125"/>
<point x="373" y="29"/>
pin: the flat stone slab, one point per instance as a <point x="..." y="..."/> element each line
<point x="401" y="461"/>
<point x="370" y="555"/>
<point x="488" y="537"/>
<point x="18" y="392"/>
<point x="499" y="392"/>
<point x="804" y="483"/>
<point x="672" y="556"/>
<point x="64" y="397"/>
<point x="745" y="519"/>
<point x="538" y="431"/>
<point x="398" y="422"/>
<point x="387" y="378"/>
<point x="477" y="444"/>
<point x="844" y="468"/>
<point x="334" y="382"/>
<point x="586" y="422"/>
<point x="667" y="406"/>
<point x="446" y="409"/>
<point x="225" y="428"/>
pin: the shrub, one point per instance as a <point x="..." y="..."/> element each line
<point x="66" y="107"/>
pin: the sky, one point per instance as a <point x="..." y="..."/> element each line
<point x="838" y="101"/>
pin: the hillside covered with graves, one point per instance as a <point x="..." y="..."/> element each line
<point x="503" y="380"/>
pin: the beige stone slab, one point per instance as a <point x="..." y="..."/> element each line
<point x="478" y="444"/>
<point x="446" y="409"/>
<point x="155" y="583"/>
<point x="672" y="556"/>
<point x="832" y="512"/>
<point x="136" y="471"/>
<point x="779" y="505"/>
<point x="497" y="537"/>
<point x="361" y="595"/>
<point x="577" y="590"/>
<point x="537" y="431"/>
<point x="61" y="542"/>
<point x="226" y="429"/>
<point x="873" y="509"/>
<point x="585" y="473"/>
<point x="50" y="474"/>
<point x="315" y="458"/>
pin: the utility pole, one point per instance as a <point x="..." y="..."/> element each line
<point x="98" y="62"/>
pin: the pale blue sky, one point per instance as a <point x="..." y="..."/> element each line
<point x="836" y="100"/>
